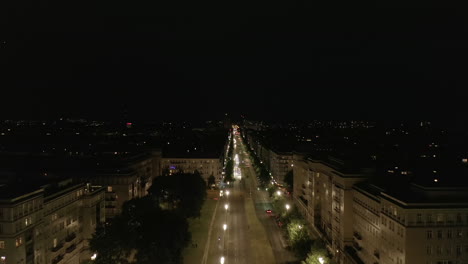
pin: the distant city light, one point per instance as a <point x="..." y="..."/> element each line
<point x="94" y="256"/>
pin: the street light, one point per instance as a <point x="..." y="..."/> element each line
<point x="227" y="193"/>
<point x="94" y="256"/>
<point x="278" y="193"/>
<point x="226" y="206"/>
<point x="221" y="260"/>
<point x="320" y="259"/>
<point x="287" y="206"/>
<point x="224" y="227"/>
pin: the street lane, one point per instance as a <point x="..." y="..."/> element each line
<point x="234" y="243"/>
<point x="262" y="203"/>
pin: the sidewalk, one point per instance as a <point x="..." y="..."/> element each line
<point x="199" y="229"/>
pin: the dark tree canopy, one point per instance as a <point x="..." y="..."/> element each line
<point x="184" y="192"/>
<point x="143" y="234"/>
<point x="211" y="180"/>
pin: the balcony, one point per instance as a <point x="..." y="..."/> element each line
<point x="57" y="248"/>
<point x="356" y="246"/>
<point x="70" y="237"/>
<point x="357" y="236"/>
<point x="70" y="248"/>
<point x="336" y="198"/>
<point x="57" y="259"/>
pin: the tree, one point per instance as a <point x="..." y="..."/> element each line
<point x="289" y="179"/>
<point x="211" y="180"/>
<point x="142" y="234"/>
<point x="107" y="242"/>
<point x="318" y="251"/>
<point x="229" y="171"/>
<point x="183" y="192"/>
<point x="299" y="238"/>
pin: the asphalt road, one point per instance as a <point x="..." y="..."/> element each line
<point x="233" y="243"/>
<point x="263" y="203"/>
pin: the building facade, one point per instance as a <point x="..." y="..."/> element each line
<point x="280" y="165"/>
<point x="323" y="193"/>
<point x="205" y="166"/>
<point x="364" y="223"/>
<point x="49" y="224"/>
<point x="430" y="226"/>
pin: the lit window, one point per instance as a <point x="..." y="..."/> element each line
<point x="109" y="188"/>
<point x="55" y="242"/>
<point x="19" y="241"/>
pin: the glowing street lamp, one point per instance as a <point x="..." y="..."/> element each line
<point x="320" y="259"/>
<point x="278" y="193"/>
<point x="224" y="227"/>
<point x="287" y="206"/>
<point x="226" y="206"/>
<point x="227" y="193"/>
<point x="94" y="256"/>
<point x="221" y="260"/>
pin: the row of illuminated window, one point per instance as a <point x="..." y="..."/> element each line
<point x="441" y="234"/>
<point x="63" y="200"/>
<point x="367" y="215"/>
<point x="392" y="227"/>
<point x="446" y="250"/>
<point x="372" y="208"/>
<point x="20" y="210"/>
<point x="441" y="218"/>
<point x="18" y="242"/>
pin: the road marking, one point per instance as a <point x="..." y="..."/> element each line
<point x="207" y="244"/>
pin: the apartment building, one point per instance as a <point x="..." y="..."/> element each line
<point x="48" y="223"/>
<point x="121" y="186"/>
<point x="206" y="166"/>
<point x="323" y="192"/>
<point x="280" y="164"/>
<point x="418" y="224"/>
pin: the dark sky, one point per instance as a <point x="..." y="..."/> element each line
<point x="266" y="59"/>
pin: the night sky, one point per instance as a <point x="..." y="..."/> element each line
<point x="265" y="59"/>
